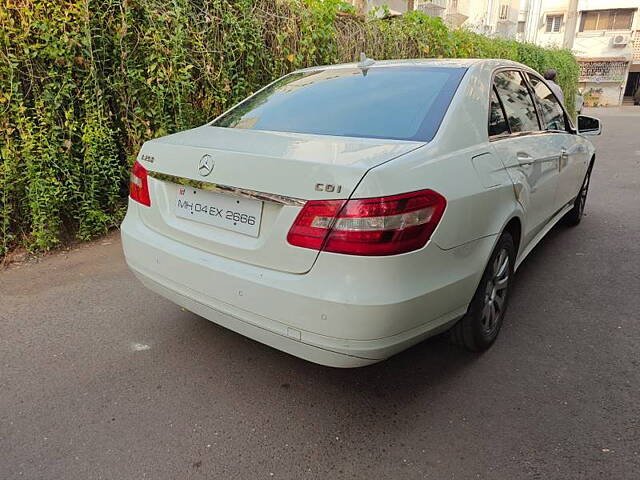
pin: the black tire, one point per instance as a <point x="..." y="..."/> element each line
<point x="574" y="216"/>
<point x="476" y="331"/>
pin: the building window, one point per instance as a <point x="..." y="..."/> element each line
<point x="619" y="19"/>
<point x="521" y="26"/>
<point x="598" y="71"/>
<point x="554" y="22"/>
<point x="504" y="12"/>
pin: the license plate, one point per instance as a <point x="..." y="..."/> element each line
<point x="241" y="215"/>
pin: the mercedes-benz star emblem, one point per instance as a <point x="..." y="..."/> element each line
<point x="205" y="167"/>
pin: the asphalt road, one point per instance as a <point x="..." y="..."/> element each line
<point x="100" y="378"/>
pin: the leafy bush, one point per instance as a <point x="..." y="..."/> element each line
<point x="83" y="83"/>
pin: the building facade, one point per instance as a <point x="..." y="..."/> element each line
<point x="607" y="41"/>
<point x="604" y="35"/>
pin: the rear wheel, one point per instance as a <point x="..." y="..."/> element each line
<point x="479" y="328"/>
<point x="574" y="216"/>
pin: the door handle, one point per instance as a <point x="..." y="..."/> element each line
<point x="524" y="158"/>
<point x="564" y="157"/>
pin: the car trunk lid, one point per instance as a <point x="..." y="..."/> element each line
<point x="281" y="170"/>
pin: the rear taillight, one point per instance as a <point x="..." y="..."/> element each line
<point x="369" y="226"/>
<point x="139" y="185"/>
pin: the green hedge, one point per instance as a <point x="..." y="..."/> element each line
<point x="83" y="83"/>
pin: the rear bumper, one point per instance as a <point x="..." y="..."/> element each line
<point x="332" y="352"/>
<point x="264" y="330"/>
<point x="345" y="312"/>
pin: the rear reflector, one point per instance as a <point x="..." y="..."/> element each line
<point x="369" y="226"/>
<point x="139" y="185"/>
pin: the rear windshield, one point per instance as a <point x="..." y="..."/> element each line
<point x="404" y="103"/>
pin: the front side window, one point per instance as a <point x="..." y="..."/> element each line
<point x="404" y="103"/>
<point x="552" y="113"/>
<point x="497" y="122"/>
<point x="554" y="22"/>
<point x="617" y="19"/>
<point x="517" y="102"/>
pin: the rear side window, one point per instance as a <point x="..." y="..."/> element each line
<point x="552" y="112"/>
<point x="497" y="122"/>
<point x="517" y="102"/>
<point x="404" y="103"/>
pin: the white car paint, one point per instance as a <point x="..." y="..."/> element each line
<point x="347" y="310"/>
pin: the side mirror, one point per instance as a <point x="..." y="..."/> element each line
<point x="589" y="125"/>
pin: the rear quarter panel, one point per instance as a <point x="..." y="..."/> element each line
<point x="479" y="192"/>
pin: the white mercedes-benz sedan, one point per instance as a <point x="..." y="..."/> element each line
<point x="344" y="213"/>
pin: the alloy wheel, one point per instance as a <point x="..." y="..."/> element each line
<point x="583" y="194"/>
<point x="496" y="293"/>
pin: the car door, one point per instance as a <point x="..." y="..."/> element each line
<point x="528" y="152"/>
<point x="572" y="153"/>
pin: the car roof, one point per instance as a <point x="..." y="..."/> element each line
<point x="426" y="62"/>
